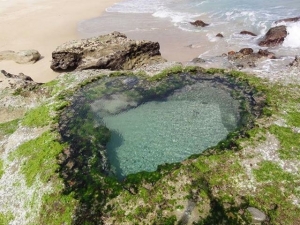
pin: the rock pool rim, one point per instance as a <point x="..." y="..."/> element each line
<point x="92" y="192"/>
<point x="225" y="80"/>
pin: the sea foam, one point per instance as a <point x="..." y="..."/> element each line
<point x="293" y="38"/>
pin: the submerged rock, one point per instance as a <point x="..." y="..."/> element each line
<point x="274" y="37"/>
<point x="22" y="57"/>
<point x="198" y="60"/>
<point x="293" y="19"/>
<point x="246" y="57"/>
<point x="296" y="62"/>
<point x="113" y="51"/>
<point x="244" y="32"/>
<point x="246" y="51"/>
<point x="199" y="23"/>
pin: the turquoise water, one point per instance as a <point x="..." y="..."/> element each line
<point x="158" y="132"/>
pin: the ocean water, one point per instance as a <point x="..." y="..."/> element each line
<point x="226" y="16"/>
<point x="168" y="22"/>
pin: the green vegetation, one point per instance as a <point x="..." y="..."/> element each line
<point x="167" y="72"/>
<point x="289" y="142"/>
<point x="175" y="70"/>
<point x="1" y="168"/>
<point x="39" y="157"/>
<point x="215" y="184"/>
<point x="293" y="118"/>
<point x="269" y="171"/>
<point x="37" y="117"/>
<point x="57" y="208"/>
<point x="86" y="139"/>
<point x="276" y="187"/>
<point x="9" y="127"/>
<point x="5" y="218"/>
<point x="217" y="175"/>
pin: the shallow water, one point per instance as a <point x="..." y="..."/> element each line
<point x="158" y="132"/>
<point x="167" y="21"/>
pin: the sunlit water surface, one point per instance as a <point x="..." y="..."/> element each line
<point x="158" y="132"/>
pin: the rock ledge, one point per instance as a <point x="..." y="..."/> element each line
<point x="113" y="51"/>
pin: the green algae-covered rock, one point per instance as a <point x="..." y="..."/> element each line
<point x="257" y="166"/>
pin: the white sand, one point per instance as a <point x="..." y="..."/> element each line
<point x="42" y="25"/>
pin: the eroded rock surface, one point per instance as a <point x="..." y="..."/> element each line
<point x="20" y="81"/>
<point x="21" y="57"/>
<point x="246" y="57"/>
<point x="199" y="23"/>
<point x="113" y="51"/>
<point x="296" y="62"/>
<point x="274" y="37"/>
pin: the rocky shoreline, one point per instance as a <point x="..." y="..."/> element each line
<point x="249" y="178"/>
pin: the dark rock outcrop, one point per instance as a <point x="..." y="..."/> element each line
<point x="246" y="57"/>
<point x="198" y="60"/>
<point x="219" y="35"/>
<point x="293" y="19"/>
<point x="21" y="81"/>
<point x="296" y="62"/>
<point x="21" y="57"/>
<point x="244" y="32"/>
<point x="266" y="53"/>
<point x="246" y="51"/>
<point x="199" y="23"/>
<point x="113" y="51"/>
<point x="274" y="37"/>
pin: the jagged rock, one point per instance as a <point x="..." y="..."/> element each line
<point x="198" y="60"/>
<point x="266" y="53"/>
<point x="275" y="36"/>
<point x="244" y="32"/>
<point x="21" y="76"/>
<point x="296" y="62"/>
<point x="231" y="52"/>
<point x="257" y="215"/>
<point x="219" y="35"/>
<point x="246" y="51"/>
<point x="22" y="57"/>
<point x="293" y="19"/>
<point x="21" y="81"/>
<point x="246" y="57"/>
<point x="112" y="51"/>
<point x="199" y="23"/>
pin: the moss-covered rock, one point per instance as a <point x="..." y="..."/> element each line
<point x="50" y="183"/>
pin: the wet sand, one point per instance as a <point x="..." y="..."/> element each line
<point x="175" y="44"/>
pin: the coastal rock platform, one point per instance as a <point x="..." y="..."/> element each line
<point x="113" y="51"/>
<point x="248" y="177"/>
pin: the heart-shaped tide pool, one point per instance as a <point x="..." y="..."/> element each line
<point x="157" y="132"/>
<point x="150" y="123"/>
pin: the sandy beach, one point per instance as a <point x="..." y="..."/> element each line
<point x="42" y="25"/>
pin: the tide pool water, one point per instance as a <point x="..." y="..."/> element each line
<point x="158" y="132"/>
